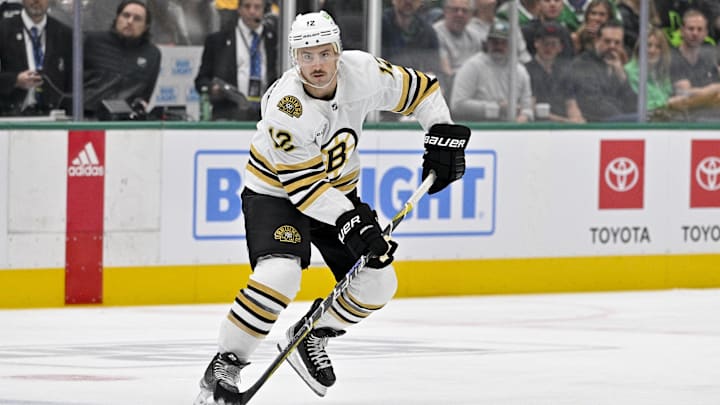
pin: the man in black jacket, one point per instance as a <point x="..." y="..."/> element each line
<point x="597" y="78"/>
<point x="244" y="59"/>
<point x="122" y="63"/>
<point x="35" y="62"/>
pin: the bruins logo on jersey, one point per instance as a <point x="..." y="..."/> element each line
<point x="287" y="234"/>
<point x="291" y="106"/>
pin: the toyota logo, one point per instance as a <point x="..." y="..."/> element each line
<point x="707" y="173"/>
<point x="621" y="174"/>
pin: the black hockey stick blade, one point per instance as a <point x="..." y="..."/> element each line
<point x="310" y="320"/>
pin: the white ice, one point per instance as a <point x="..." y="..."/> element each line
<point x="629" y="348"/>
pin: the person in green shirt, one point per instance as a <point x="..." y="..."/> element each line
<point x="659" y="85"/>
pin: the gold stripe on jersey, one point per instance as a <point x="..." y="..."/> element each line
<point x="313" y="195"/>
<point x="269" y="293"/>
<point x="347" y="183"/>
<point x="262" y="169"/>
<point x="246" y="327"/>
<point x="267" y="178"/>
<point x="300" y="183"/>
<point x="420" y="86"/>
<point x="313" y="163"/>
<point x="253" y="308"/>
<point x="405" y="89"/>
<point x="429" y="86"/>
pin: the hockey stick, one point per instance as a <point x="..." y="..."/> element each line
<point x="310" y="320"/>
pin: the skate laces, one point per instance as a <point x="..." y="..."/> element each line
<point x="227" y="370"/>
<point x="316" y="351"/>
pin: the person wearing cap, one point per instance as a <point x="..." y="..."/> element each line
<point x="548" y="76"/>
<point x="300" y="189"/>
<point x="598" y="80"/>
<point x="549" y="11"/>
<point x="482" y="85"/>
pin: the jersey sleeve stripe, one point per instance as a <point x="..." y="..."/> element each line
<point x="313" y="195"/>
<point x="431" y="86"/>
<point x="313" y="163"/>
<point x="299" y="183"/>
<point x="266" y="177"/>
<point x="405" y="89"/>
<point x="260" y="161"/>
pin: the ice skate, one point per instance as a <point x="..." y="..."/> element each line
<point x="309" y="359"/>
<point x="220" y="383"/>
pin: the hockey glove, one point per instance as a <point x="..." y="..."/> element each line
<point x="445" y="154"/>
<point x="384" y="260"/>
<point x="359" y="230"/>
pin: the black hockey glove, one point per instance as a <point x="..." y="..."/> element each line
<point x="445" y="154"/>
<point x="359" y="230"/>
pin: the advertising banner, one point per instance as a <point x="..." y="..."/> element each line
<point x="705" y="174"/>
<point x="524" y="194"/>
<point x="84" y="234"/>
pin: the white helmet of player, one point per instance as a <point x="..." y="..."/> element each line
<point x="314" y="29"/>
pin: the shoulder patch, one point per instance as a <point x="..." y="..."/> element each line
<point x="291" y="106"/>
<point x="287" y="234"/>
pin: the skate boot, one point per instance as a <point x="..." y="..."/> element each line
<point x="219" y="385"/>
<point x="309" y="359"/>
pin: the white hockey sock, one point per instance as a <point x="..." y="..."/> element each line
<point x="272" y="286"/>
<point x="367" y="293"/>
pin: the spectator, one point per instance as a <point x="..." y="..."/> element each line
<point x="597" y="13"/>
<point x="527" y="10"/>
<point x="482" y="84"/>
<point x="407" y="39"/>
<point x="549" y="11"/>
<point x="694" y="69"/>
<point x="548" y="75"/>
<point x="458" y="41"/>
<point x="169" y="27"/>
<point x="630" y="16"/>
<point x="35" y="62"/>
<point x="484" y="19"/>
<point x="693" y="64"/>
<point x="121" y="63"/>
<point x="244" y="57"/>
<point x="659" y="85"/>
<point x="670" y="13"/>
<point x="598" y="80"/>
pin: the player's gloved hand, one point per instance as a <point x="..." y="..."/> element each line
<point x="384" y="260"/>
<point x="445" y="154"/>
<point x="359" y="230"/>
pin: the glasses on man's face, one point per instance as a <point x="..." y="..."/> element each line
<point x="132" y="17"/>
<point x="458" y="10"/>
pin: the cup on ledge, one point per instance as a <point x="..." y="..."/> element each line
<point x="492" y="111"/>
<point x="542" y="111"/>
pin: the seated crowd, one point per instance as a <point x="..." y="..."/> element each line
<point x="576" y="61"/>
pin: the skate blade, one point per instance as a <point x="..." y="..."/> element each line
<point x="296" y="363"/>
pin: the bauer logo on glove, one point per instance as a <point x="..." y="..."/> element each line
<point x="445" y="154"/>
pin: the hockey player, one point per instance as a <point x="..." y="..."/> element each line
<point x="301" y="181"/>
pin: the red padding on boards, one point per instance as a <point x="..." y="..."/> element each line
<point x="84" y="229"/>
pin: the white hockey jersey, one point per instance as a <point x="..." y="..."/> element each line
<point x="305" y="149"/>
